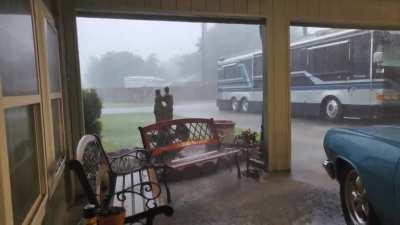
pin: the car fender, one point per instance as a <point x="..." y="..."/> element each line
<point x="376" y="162"/>
<point x="349" y="162"/>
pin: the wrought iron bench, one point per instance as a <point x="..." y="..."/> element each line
<point x="126" y="180"/>
<point x="166" y="137"/>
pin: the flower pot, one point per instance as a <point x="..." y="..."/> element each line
<point x="226" y="129"/>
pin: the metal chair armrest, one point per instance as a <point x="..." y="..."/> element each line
<point x="129" y="162"/>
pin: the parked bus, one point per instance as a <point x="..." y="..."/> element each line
<point x="240" y="83"/>
<point x="350" y="73"/>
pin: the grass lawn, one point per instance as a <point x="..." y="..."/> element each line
<point x="124" y="104"/>
<point x="121" y="130"/>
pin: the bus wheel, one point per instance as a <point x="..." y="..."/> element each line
<point x="244" y="105"/>
<point x="234" y="104"/>
<point x="332" y="109"/>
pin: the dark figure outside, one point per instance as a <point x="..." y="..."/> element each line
<point x="163" y="105"/>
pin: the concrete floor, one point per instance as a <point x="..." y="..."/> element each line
<point x="305" y="196"/>
<point x="222" y="199"/>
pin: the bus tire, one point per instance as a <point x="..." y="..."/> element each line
<point x="234" y="104"/>
<point x="223" y="106"/>
<point x="244" y="105"/>
<point x="332" y="109"/>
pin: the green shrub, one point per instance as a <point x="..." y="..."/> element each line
<point x="92" y="106"/>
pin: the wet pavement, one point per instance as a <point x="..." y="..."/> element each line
<point x="222" y="199"/>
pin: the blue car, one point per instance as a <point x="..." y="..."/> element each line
<point x="365" y="161"/>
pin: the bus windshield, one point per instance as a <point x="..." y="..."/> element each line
<point x="391" y="54"/>
<point x="389" y="44"/>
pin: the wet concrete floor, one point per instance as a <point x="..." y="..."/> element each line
<point x="222" y="199"/>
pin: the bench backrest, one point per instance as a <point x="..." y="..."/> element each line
<point x="174" y="135"/>
<point x="93" y="170"/>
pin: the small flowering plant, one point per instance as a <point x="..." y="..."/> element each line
<point x="246" y="137"/>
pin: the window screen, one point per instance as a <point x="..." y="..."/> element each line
<point x="258" y="65"/>
<point x="299" y="59"/>
<point x="23" y="158"/>
<point x="248" y="65"/>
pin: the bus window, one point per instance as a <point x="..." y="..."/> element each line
<point x="247" y="65"/>
<point x="389" y="44"/>
<point x="232" y="72"/>
<point x="361" y="48"/>
<point x="330" y="60"/>
<point x="220" y="74"/>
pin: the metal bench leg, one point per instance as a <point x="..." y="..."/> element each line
<point x="164" y="180"/>
<point x="150" y="220"/>
<point x="239" y="174"/>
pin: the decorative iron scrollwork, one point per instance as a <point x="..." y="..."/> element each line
<point x="148" y="190"/>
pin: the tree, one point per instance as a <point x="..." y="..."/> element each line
<point x="152" y="66"/>
<point x="109" y="70"/>
<point x="221" y="41"/>
<point x="189" y="64"/>
<point x="92" y="106"/>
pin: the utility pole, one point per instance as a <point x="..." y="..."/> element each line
<point x="203" y="49"/>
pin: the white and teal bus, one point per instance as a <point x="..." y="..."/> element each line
<point x="350" y="73"/>
<point x="240" y="83"/>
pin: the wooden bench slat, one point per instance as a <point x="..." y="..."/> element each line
<point x="192" y="157"/>
<point x="129" y="207"/>
<point x="202" y="159"/>
<point x="138" y="203"/>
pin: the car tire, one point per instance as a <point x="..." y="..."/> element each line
<point x="356" y="208"/>
<point x="234" y="104"/>
<point x="332" y="109"/>
<point x="244" y="105"/>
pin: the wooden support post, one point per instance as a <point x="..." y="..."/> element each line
<point x="72" y="89"/>
<point x="278" y="88"/>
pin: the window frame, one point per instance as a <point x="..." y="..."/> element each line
<point x="256" y="65"/>
<point x="55" y="168"/>
<point x="6" y="102"/>
<point x="50" y="172"/>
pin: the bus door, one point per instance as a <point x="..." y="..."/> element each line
<point x="359" y="79"/>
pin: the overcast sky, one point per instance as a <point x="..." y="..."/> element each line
<point x="97" y="36"/>
<point x="141" y="37"/>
